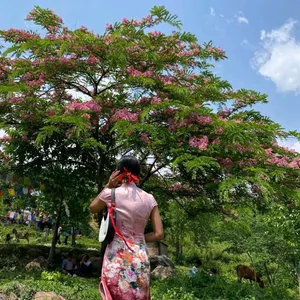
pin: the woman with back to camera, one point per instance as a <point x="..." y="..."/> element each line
<point x="126" y="267"/>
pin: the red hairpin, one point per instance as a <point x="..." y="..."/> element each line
<point x="128" y="177"/>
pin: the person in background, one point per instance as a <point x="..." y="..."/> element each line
<point x="68" y="266"/>
<point x="86" y="266"/>
<point x="194" y="270"/>
<point x="213" y="271"/>
<point x="66" y="235"/>
<point x="58" y="235"/>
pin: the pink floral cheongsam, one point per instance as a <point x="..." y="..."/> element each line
<point x="126" y="273"/>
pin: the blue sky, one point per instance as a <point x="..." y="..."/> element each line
<point x="261" y="39"/>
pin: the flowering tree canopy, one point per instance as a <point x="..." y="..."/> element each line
<point x="76" y="100"/>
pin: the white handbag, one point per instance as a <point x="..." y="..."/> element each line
<point x="107" y="231"/>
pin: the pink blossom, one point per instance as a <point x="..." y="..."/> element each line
<point x="51" y="112"/>
<point x="240" y="148"/>
<point x="6" y="138"/>
<point x="24" y="137"/>
<point x="155" y="33"/>
<point x="125" y="114"/>
<point x="145" y="138"/>
<point x="209" y="49"/>
<point x="206" y="80"/>
<point x="16" y="100"/>
<point x="90" y="105"/>
<point x="85" y="115"/>
<point x="227" y="163"/>
<point x="155" y="100"/>
<point x="269" y="151"/>
<point x="92" y="60"/>
<point x="107" y="39"/>
<point x="18" y="35"/>
<point x="220" y="130"/>
<point x="108" y="26"/>
<point x="200" y="143"/>
<point x="125" y="21"/>
<point x="204" y="119"/>
<point x="172" y="126"/>
<point x="197" y="105"/>
<point x="216" y="142"/>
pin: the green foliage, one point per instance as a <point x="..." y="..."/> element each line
<point x="51" y="276"/>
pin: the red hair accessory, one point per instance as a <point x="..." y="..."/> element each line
<point x="128" y="177"/>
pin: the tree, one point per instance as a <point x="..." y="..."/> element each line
<point x="73" y="101"/>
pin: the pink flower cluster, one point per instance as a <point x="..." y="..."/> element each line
<point x="33" y="13"/>
<point x="92" y="60"/>
<point x="194" y="117"/>
<point x="180" y="187"/>
<point x="50" y="112"/>
<point x="145" y="138"/>
<point x="250" y="162"/>
<point x="5" y="139"/>
<point x="38" y="82"/>
<point x="200" y="143"/>
<point x="155" y="33"/>
<point x="125" y="114"/>
<point x="227" y="163"/>
<point x="240" y="148"/>
<point x="18" y="35"/>
<point x="19" y="100"/>
<point x="224" y="113"/>
<point x="133" y="72"/>
<point x="90" y="105"/>
<point x="282" y="161"/>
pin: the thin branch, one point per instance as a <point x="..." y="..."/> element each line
<point x="109" y="87"/>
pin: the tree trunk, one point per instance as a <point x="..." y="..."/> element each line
<point x="54" y="239"/>
<point x="73" y="237"/>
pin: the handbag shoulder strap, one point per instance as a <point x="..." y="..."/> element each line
<point x="113" y="198"/>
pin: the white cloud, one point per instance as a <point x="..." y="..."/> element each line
<point x="222" y="16"/>
<point x="241" y="18"/>
<point x="247" y="45"/>
<point x="212" y="12"/>
<point x="279" y="57"/>
<point x="292" y="144"/>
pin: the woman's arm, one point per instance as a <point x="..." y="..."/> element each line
<point x="158" y="232"/>
<point x="97" y="205"/>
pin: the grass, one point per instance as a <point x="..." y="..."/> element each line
<point x="26" y="284"/>
<point x="14" y="278"/>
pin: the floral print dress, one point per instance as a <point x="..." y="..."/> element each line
<point x="126" y="270"/>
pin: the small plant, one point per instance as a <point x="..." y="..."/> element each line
<point x="51" y="276"/>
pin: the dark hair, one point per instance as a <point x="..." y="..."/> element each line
<point x="70" y="254"/>
<point x="130" y="163"/>
<point x="86" y="256"/>
<point x="198" y="262"/>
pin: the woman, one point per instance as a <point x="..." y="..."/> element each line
<point x="126" y="267"/>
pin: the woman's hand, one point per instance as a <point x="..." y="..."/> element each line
<point x="113" y="180"/>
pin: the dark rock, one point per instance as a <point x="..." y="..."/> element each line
<point x="162" y="272"/>
<point x="160" y="260"/>
<point x="38" y="263"/>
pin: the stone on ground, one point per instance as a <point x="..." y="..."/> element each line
<point x="47" y="296"/>
<point x="162" y="272"/>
